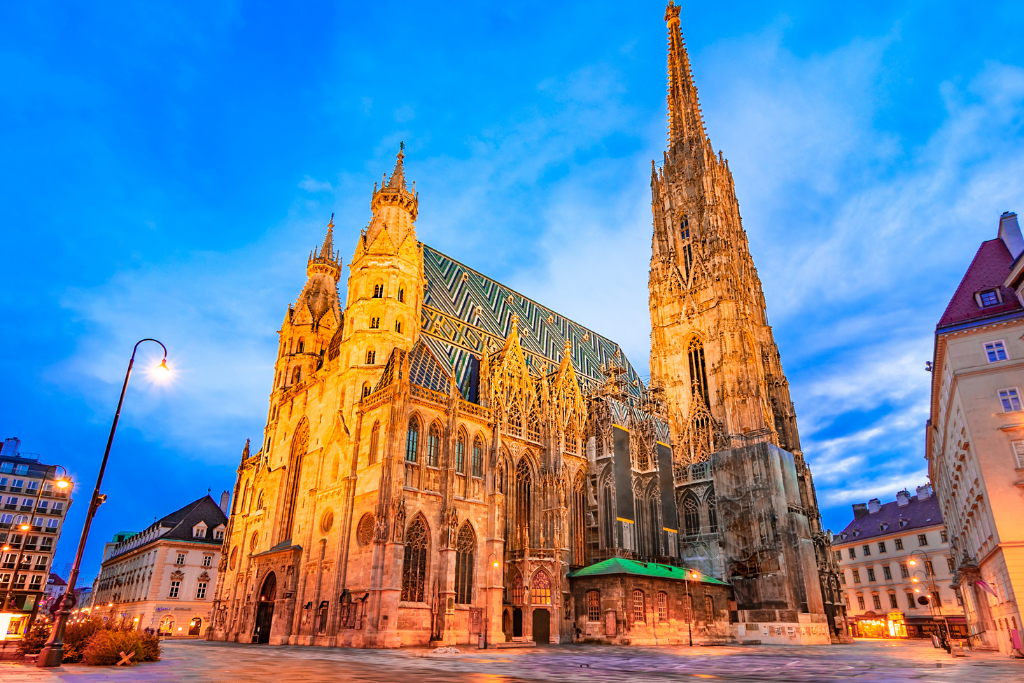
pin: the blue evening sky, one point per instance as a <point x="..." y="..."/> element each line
<point x="166" y="167"/>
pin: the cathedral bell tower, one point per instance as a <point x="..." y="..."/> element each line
<point x="385" y="284"/>
<point x="712" y="351"/>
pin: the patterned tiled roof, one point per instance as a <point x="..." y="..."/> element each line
<point x="464" y="310"/>
<point x="623" y="414"/>
<point x="988" y="270"/>
<point x="424" y="368"/>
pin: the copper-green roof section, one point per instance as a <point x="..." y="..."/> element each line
<point x="619" y="565"/>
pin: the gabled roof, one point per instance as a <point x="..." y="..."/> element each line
<point x="918" y="514"/>
<point x="620" y="565"/>
<point x="465" y="310"/>
<point x="988" y="270"/>
<point x="178" y="526"/>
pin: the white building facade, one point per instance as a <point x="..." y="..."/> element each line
<point x="163" y="578"/>
<point x="896" y="566"/>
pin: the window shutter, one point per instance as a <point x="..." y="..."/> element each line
<point x="1018" y="450"/>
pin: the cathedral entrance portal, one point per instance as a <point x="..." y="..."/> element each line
<point x="265" y="610"/>
<point x="541" y="626"/>
<point x="517" y="623"/>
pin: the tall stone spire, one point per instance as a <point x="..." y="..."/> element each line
<point x="397" y="181"/>
<point x="326" y="261"/>
<point x="712" y="351"/>
<point x="684" y="116"/>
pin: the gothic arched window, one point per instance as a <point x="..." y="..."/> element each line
<point x="533" y="427"/>
<point x="371" y="357"/>
<point x="478" y="457"/>
<point x="371" y="458"/>
<point x="460" y="454"/>
<point x="698" y="371"/>
<point x="433" y="440"/>
<point x="300" y="442"/>
<point x="296" y="375"/>
<point x="514" y="423"/>
<point x="517" y="589"/>
<point x="366" y="389"/>
<point x="522" y="502"/>
<point x="412" y="440"/>
<point x="712" y="513"/>
<point x="691" y="515"/>
<point x="302" y="345"/>
<point x="540" y="589"/>
<point x="378" y="290"/>
<point x="414" y="567"/>
<point x="465" y="550"/>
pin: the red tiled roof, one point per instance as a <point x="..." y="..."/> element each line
<point x="988" y="270"/>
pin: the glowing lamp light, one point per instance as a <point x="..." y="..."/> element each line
<point x="913" y="562"/>
<point x="161" y="371"/>
<point x="914" y="579"/>
<point x="495" y="563"/>
<point x="24" y="527"/>
<point x="63" y="483"/>
<point x="917" y="590"/>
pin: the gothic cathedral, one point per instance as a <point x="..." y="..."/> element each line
<point x="447" y="461"/>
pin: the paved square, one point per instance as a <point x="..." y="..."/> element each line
<point x="881" y="661"/>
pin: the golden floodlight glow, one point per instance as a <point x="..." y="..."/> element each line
<point x="495" y="563"/>
<point x="63" y="483"/>
<point x="914" y="579"/>
<point x="913" y="562"/>
<point x="24" y="527"/>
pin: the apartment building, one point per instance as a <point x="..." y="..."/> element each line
<point x="895" y="567"/>
<point x="975" y="436"/>
<point x="33" y="504"/>
<point x="164" y="577"/>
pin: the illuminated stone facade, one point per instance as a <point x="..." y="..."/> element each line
<point x="441" y="451"/>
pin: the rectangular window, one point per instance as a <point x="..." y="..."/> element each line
<point x="175" y="585"/>
<point x="881" y="546"/>
<point x="52" y="523"/>
<point x="949" y="564"/>
<point x="207" y="560"/>
<point x="860" y="602"/>
<point x="988" y="298"/>
<point x="33" y="485"/>
<point x="371" y="357"/>
<point x="181" y="559"/>
<point x="995" y="351"/>
<point x="662" y="607"/>
<point x="871" y="573"/>
<point x="593" y="606"/>
<point x="639" y="615"/>
<point x="867" y="551"/>
<point x="218" y="534"/>
<point x="928" y="567"/>
<point x="904" y="573"/>
<point x="21" y="469"/>
<point x="922" y="539"/>
<point x="856" y="576"/>
<point x="199" y="532"/>
<point x="899" y="544"/>
<point x="852" y="553"/>
<point x="374" y="323"/>
<point x="839" y="556"/>
<point x="58" y="506"/>
<point x="944" y="537"/>
<point x="201" y="591"/>
<point x="876" y="600"/>
<point x="842" y="578"/>
<point x="892" y="601"/>
<point x="1010" y="398"/>
<point x="1018" y="452"/>
<point x="6" y="467"/>
<point x="910" y="601"/>
<point x="887" y="573"/>
<point x="37" y="582"/>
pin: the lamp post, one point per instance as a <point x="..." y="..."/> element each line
<point x="689" y="603"/>
<point x="62" y="483"/>
<point x="929" y="575"/>
<point x="53" y="653"/>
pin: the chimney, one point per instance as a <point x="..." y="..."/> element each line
<point x="225" y="500"/>
<point x="925" y="492"/>
<point x="11" y="446"/>
<point x="859" y="510"/>
<point x="874" y="505"/>
<point x="1009" y="233"/>
<point x="903" y="498"/>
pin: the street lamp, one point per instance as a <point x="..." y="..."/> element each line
<point x="689" y="601"/>
<point x="53" y="653"/>
<point x="929" y="575"/>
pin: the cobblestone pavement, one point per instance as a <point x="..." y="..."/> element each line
<point x="863" y="662"/>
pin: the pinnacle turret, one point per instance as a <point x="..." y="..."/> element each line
<point x="326" y="261"/>
<point x="684" y="116"/>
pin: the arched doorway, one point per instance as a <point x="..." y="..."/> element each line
<point x="541" y="626"/>
<point x="166" y="627"/>
<point x="194" y="626"/>
<point x="265" y="610"/>
<point x="506" y="624"/>
<point x="517" y="623"/>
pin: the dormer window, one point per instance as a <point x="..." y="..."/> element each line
<point x="218" y="533"/>
<point x="199" y="531"/>
<point x="903" y="523"/>
<point x="989" y="297"/>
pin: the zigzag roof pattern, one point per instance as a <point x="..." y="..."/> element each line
<point x="463" y="310"/>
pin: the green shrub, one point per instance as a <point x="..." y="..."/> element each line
<point x="34" y="640"/>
